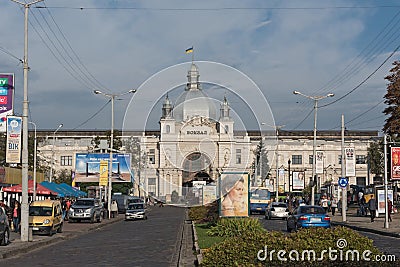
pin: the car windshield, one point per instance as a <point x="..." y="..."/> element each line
<point x="84" y="203"/>
<point x="135" y="206"/>
<point x="312" y="210"/>
<point x="40" y="211"/>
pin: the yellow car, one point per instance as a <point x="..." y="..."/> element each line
<point x="45" y="217"/>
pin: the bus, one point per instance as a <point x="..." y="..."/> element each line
<point x="260" y="197"/>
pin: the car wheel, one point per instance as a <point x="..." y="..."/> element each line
<point x="288" y="228"/>
<point x="6" y="238"/>
<point x="92" y="218"/>
<point x="60" y="228"/>
<point x="100" y="217"/>
<point x="51" y="232"/>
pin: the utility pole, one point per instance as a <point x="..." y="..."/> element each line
<point x="25" y="114"/>
<point x="386" y="181"/>
<point x="344" y="189"/>
<point x="34" y="163"/>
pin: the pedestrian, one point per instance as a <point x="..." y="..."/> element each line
<point x="363" y="212"/>
<point x="114" y="209"/>
<point x="324" y="203"/>
<point x="16" y="216"/>
<point x="64" y="208"/>
<point x="372" y="207"/>
<point x="333" y="205"/>
<point x="390" y="209"/>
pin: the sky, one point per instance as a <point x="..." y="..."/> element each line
<point x="255" y="53"/>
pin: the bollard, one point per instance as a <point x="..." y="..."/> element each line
<point x="30" y="234"/>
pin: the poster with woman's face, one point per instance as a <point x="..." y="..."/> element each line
<point x="234" y="192"/>
<point x="395" y="168"/>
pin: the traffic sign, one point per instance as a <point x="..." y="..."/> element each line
<point x="343" y="182"/>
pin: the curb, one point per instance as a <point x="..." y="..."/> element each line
<point x="25" y="247"/>
<point x="365" y="229"/>
<point x="199" y="254"/>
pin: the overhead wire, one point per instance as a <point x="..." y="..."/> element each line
<point x="94" y="115"/>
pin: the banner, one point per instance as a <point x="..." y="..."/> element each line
<point x="103" y="173"/>
<point x="395" y="164"/>
<point x="6" y="98"/>
<point x="13" y="148"/>
<point x="209" y="194"/>
<point x="319" y="162"/>
<point x="298" y="180"/>
<point x="234" y="193"/>
<point x="87" y="167"/>
<point x="350" y="162"/>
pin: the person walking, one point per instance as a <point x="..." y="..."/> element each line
<point x="390" y="209"/>
<point x="363" y="212"/>
<point x="114" y="209"/>
<point x="372" y="207"/>
<point x="334" y="205"/>
<point x="16" y="216"/>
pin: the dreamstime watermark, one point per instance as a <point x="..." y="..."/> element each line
<point x="332" y="254"/>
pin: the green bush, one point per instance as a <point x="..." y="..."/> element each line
<point x="236" y="226"/>
<point x="242" y="250"/>
<point x="204" y="214"/>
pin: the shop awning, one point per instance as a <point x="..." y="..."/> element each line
<point x="40" y="189"/>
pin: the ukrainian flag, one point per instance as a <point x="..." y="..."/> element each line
<point x="189" y="50"/>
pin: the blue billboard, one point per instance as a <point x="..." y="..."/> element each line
<point x="87" y="167"/>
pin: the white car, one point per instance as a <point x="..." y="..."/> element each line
<point x="136" y="211"/>
<point x="277" y="210"/>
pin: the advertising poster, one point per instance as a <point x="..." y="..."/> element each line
<point x="103" y="173"/>
<point x="319" y="162"/>
<point x="350" y="162"/>
<point x="209" y="194"/>
<point x="234" y="192"/>
<point x="6" y="98"/>
<point x="87" y="167"/>
<point x="14" y="145"/>
<point x="395" y="164"/>
<point x="298" y="180"/>
<point x="381" y="199"/>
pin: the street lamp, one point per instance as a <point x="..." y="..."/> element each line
<point x="112" y="97"/>
<point x="52" y="151"/>
<point x="315" y="98"/>
<point x="34" y="163"/>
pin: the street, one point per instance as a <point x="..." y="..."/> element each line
<point x="388" y="245"/>
<point x="151" y="242"/>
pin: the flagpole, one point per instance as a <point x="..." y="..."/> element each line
<point x="192" y="54"/>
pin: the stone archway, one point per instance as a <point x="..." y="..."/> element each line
<point x="196" y="167"/>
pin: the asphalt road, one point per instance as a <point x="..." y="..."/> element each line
<point x="388" y="245"/>
<point x="151" y="242"/>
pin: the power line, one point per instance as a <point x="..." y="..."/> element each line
<point x="9" y="53"/>
<point x="94" y="115"/>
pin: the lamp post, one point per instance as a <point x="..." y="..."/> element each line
<point x="315" y="98"/>
<point x="25" y="109"/>
<point x="52" y="152"/>
<point x="288" y="162"/>
<point x="112" y="97"/>
<point x="34" y="163"/>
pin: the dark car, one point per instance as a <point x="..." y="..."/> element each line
<point x="135" y="211"/>
<point x="308" y="216"/>
<point x="86" y="209"/>
<point x="4" y="228"/>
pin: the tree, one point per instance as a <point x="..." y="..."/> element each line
<point x="375" y="158"/>
<point x="117" y="143"/>
<point x="64" y="176"/>
<point x="392" y="97"/>
<point x="262" y="163"/>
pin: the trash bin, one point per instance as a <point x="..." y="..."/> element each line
<point x="30" y="234"/>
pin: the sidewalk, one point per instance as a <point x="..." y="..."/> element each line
<point x="70" y="230"/>
<point x="363" y="223"/>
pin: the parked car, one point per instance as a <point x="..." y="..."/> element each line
<point x="45" y="217"/>
<point x="86" y="209"/>
<point x="277" y="210"/>
<point x="308" y="216"/>
<point x="4" y="228"/>
<point x="135" y="211"/>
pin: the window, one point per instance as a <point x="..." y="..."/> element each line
<point x="66" y="161"/>
<point x="361" y="159"/>
<point x="297" y="159"/>
<point x="238" y="156"/>
<point x="310" y="159"/>
<point x="226" y="129"/>
<point x="152" y="156"/>
<point x="340" y="159"/>
<point x="362" y="181"/>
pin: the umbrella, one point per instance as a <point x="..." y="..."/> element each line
<point x="40" y="190"/>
